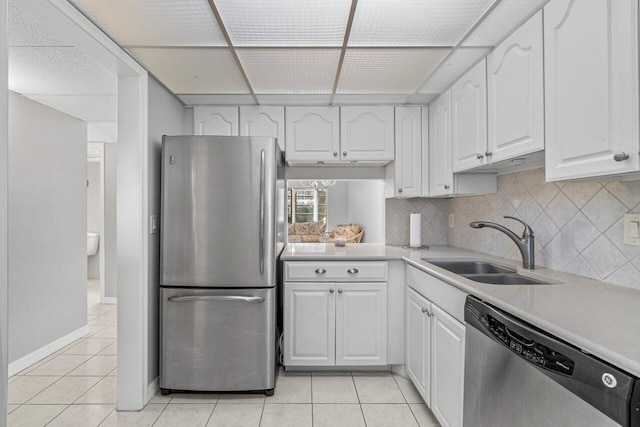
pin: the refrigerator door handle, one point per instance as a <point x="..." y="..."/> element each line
<point x="181" y="298"/>
<point x="262" y="180"/>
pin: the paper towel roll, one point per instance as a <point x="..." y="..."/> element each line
<point x="415" y="230"/>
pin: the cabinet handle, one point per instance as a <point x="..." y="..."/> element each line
<point x="488" y="153"/>
<point x="425" y="311"/>
<point x="331" y="291"/>
<point x="352" y="271"/>
<point x="620" y="157"/>
<point x="479" y="156"/>
<point x="344" y="153"/>
<point x="320" y="162"/>
<point x="446" y="186"/>
<point x="339" y="291"/>
<point x="320" y="271"/>
<point x="399" y="190"/>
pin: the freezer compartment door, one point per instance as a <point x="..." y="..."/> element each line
<point x="217" y="339"/>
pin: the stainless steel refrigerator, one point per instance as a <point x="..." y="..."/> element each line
<point x="223" y="226"/>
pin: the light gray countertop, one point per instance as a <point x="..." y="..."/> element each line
<point x="600" y="318"/>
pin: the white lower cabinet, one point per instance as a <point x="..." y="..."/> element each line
<point x="418" y="354"/>
<point x="335" y="324"/>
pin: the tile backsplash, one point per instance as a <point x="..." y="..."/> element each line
<point x="578" y="226"/>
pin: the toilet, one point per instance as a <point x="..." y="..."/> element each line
<point x="92" y="243"/>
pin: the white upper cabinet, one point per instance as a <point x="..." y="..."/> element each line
<point x="215" y="121"/>
<point x="408" y="163"/>
<point x="591" y="88"/>
<point x="440" y="172"/>
<point x="263" y="121"/>
<point x="366" y="133"/>
<point x="313" y="134"/>
<point x="425" y="152"/>
<point x="516" y="93"/>
<point x="469" y="119"/>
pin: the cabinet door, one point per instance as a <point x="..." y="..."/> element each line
<point x="263" y="121"/>
<point x="418" y="356"/>
<point x="313" y="134"/>
<point x="425" y="152"/>
<point x="309" y="324"/>
<point x="361" y="324"/>
<point x="469" y="119"/>
<point x="440" y="173"/>
<point x="591" y="87"/>
<point x="408" y="168"/>
<point x="215" y="121"/>
<point x="516" y="93"/>
<point x="366" y="133"/>
<point x="447" y="362"/>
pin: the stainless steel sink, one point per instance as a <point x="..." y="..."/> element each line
<point x="504" y="279"/>
<point x="463" y="267"/>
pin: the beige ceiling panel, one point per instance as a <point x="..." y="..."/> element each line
<point x="57" y="71"/>
<point x="282" y="71"/>
<point x="394" y="71"/>
<point x="155" y="22"/>
<point x="294" y="99"/>
<point x="507" y="16"/>
<point x="193" y="70"/>
<point x="83" y="107"/>
<point x="25" y="30"/>
<point x="456" y="65"/>
<point x="196" y="99"/>
<point x="285" y="22"/>
<point x="414" y="22"/>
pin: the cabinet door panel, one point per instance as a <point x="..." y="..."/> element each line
<point x="366" y="133"/>
<point x="440" y="173"/>
<point x="418" y="356"/>
<point x="425" y="152"/>
<point x="591" y="87"/>
<point x="215" y="121"/>
<point x="408" y="170"/>
<point x="263" y="121"/>
<point x="447" y="352"/>
<point x="313" y="134"/>
<point x="516" y="93"/>
<point x="309" y="325"/>
<point x="361" y="324"/>
<point x="469" y="119"/>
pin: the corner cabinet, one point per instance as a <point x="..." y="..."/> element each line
<point x="440" y="171"/>
<point x="215" y="121"/>
<point x="591" y="88"/>
<point x="312" y="135"/>
<point x="263" y="121"/>
<point x="335" y="313"/>
<point x="404" y="175"/>
<point x="366" y="133"/>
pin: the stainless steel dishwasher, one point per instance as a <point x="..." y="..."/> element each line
<point x="517" y="375"/>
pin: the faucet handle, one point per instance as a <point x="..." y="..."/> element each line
<point x="528" y="231"/>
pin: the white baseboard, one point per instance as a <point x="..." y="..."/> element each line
<point x="153" y="389"/>
<point x="108" y="300"/>
<point x="39" y="354"/>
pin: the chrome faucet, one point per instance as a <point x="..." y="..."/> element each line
<point x="524" y="243"/>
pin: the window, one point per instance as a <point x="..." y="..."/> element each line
<point x="307" y="205"/>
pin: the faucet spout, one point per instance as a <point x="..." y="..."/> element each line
<point x="525" y="243"/>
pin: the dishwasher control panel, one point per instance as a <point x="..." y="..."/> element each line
<point x="528" y="349"/>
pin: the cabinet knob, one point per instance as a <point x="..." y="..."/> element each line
<point x="320" y="271"/>
<point x="488" y="153"/>
<point x="425" y="311"/>
<point x="339" y="291"/>
<point x="446" y="186"/>
<point x="344" y="153"/>
<point x="479" y="156"/>
<point x="399" y="190"/>
<point x="331" y="290"/>
<point x="320" y="162"/>
<point x="335" y="154"/>
<point x="352" y="271"/>
<point x="620" y="157"/>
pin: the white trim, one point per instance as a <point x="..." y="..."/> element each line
<point x="108" y="300"/>
<point x="47" y="350"/>
<point x="98" y="147"/>
<point x="153" y="389"/>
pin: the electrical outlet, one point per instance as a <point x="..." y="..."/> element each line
<point x="452" y="220"/>
<point x="632" y="229"/>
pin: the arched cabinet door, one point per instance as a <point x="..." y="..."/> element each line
<point x="312" y="134"/>
<point x="263" y="121"/>
<point x="367" y="133"/>
<point x="220" y="121"/>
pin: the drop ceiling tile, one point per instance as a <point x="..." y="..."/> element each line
<point x="285" y="22"/>
<point x="460" y="61"/>
<point x="294" y="99"/>
<point x="192" y="99"/>
<point x="282" y="71"/>
<point x="57" y="71"/>
<point x="83" y="107"/>
<point x="414" y="22"/>
<point x="25" y="30"/>
<point x="155" y="22"/>
<point x="193" y="70"/>
<point x="369" y="99"/>
<point x="387" y="70"/>
<point x="507" y="16"/>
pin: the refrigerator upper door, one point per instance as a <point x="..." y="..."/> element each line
<point x="218" y="211"/>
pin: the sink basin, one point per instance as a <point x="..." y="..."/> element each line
<point x="463" y="267"/>
<point x="504" y="279"/>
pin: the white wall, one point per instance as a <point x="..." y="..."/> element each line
<point x="110" y="246"/>
<point x="366" y="207"/>
<point x="166" y="117"/>
<point x="4" y="79"/>
<point x="47" y="220"/>
<point x="95" y="215"/>
<point x="337" y="204"/>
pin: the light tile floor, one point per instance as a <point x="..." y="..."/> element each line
<point x="77" y="387"/>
